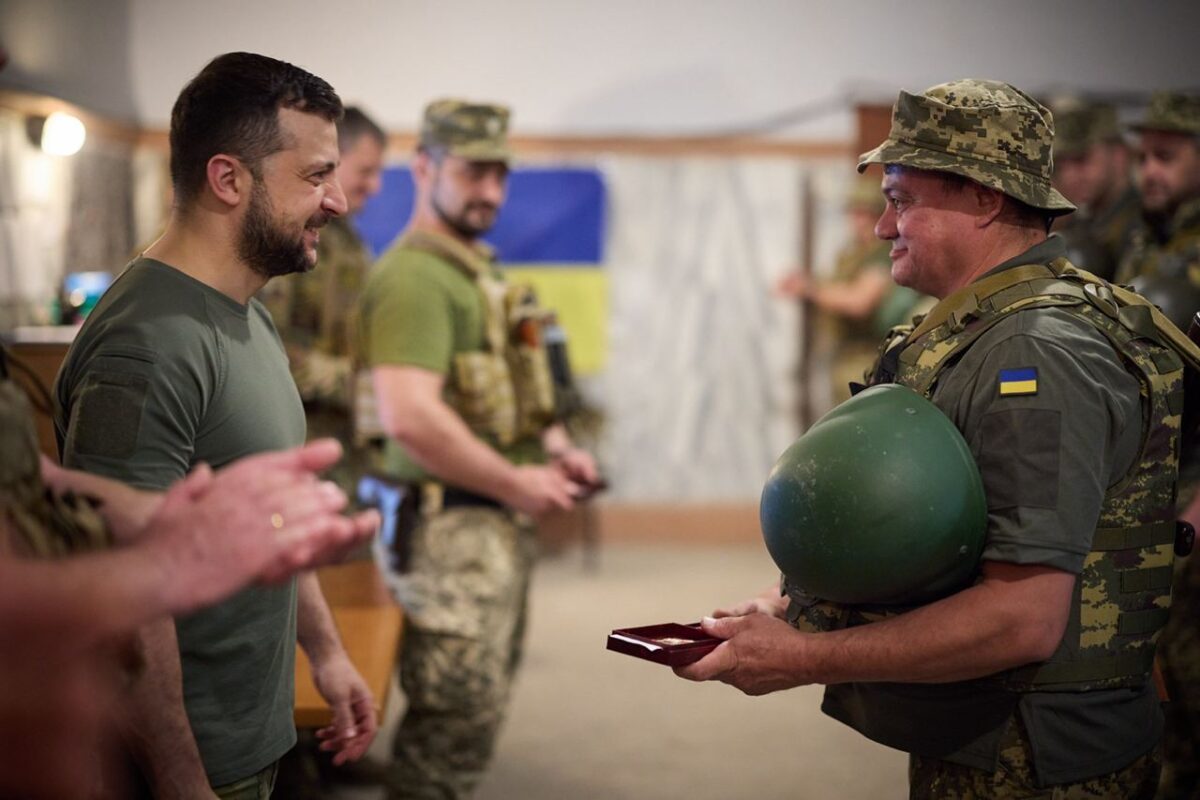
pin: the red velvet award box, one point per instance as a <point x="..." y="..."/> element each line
<point x="672" y="644"/>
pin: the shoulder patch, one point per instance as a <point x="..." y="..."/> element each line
<point x="1017" y="382"/>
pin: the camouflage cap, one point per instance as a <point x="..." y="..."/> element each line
<point x="987" y="131"/>
<point x="474" y="131"/>
<point x="1171" y="111"/>
<point x="1082" y="125"/>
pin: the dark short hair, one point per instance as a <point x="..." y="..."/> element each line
<point x="232" y="106"/>
<point x="354" y="125"/>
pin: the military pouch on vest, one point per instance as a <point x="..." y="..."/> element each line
<point x="527" y="359"/>
<point x="367" y="425"/>
<point x="399" y="507"/>
<point x="483" y="394"/>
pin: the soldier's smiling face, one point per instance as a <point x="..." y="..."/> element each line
<point x="294" y="195"/>
<point x="929" y="222"/>
<point x="1168" y="170"/>
<point x="361" y="171"/>
<point x="467" y="195"/>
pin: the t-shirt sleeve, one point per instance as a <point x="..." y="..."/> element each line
<point x="408" y="320"/>
<point x="133" y="416"/>
<point x="1052" y="419"/>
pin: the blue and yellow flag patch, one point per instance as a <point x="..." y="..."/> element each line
<point x="1018" y="382"/>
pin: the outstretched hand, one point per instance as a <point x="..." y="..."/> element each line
<point x="263" y="518"/>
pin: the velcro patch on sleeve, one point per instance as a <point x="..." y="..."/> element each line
<point x="1018" y="382"/>
<point x="1019" y="457"/>
<point x="108" y="416"/>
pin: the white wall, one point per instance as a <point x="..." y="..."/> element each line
<point x="77" y="50"/>
<point x="665" y="66"/>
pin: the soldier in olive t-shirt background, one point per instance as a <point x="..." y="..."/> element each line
<point x="465" y="398"/>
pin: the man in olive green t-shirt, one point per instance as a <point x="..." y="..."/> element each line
<point x="436" y="335"/>
<point x="178" y="365"/>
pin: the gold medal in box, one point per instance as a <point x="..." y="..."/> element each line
<point x="672" y="643"/>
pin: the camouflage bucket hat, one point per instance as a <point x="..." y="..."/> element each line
<point x="474" y="131"/>
<point x="1081" y="126"/>
<point x="1175" y="112"/>
<point x="987" y="131"/>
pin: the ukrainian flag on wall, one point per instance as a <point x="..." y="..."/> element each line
<point x="550" y="234"/>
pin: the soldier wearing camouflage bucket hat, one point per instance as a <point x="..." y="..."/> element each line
<point x="1067" y="392"/>
<point x="1168" y="157"/>
<point x="465" y="400"/>
<point x="1092" y="169"/>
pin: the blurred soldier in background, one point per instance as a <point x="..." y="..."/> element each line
<point x="1165" y="266"/>
<point x="1092" y="168"/>
<point x="313" y="311"/>
<point x="1169" y="183"/>
<point x="460" y="369"/>
<point x="859" y="301"/>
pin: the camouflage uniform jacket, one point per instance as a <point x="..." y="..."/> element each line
<point x="38" y="522"/>
<point x="314" y="314"/>
<point x="1173" y="253"/>
<point x="1100" y="242"/>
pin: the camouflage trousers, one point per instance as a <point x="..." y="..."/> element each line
<point x="256" y="787"/>
<point x="934" y="779"/>
<point x="465" y="601"/>
<point x="1179" y="658"/>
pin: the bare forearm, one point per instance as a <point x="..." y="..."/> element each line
<point x="555" y="439"/>
<point x="316" y="631"/>
<point x="856" y="300"/>
<point x="84" y="599"/>
<point x="441" y="443"/>
<point x="976" y="632"/>
<point x="158" y="723"/>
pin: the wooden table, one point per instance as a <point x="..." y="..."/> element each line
<point x="43" y="358"/>
<point x="370" y="624"/>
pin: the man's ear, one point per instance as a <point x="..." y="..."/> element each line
<point x="989" y="203"/>
<point x="422" y="165"/>
<point x="228" y="179"/>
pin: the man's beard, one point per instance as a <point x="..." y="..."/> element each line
<point x="459" y="222"/>
<point x="268" y="249"/>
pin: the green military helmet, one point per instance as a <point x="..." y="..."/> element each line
<point x="879" y="502"/>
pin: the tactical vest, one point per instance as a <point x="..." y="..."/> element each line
<point x="504" y="392"/>
<point x="1170" y="253"/>
<point x="1122" y="595"/>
